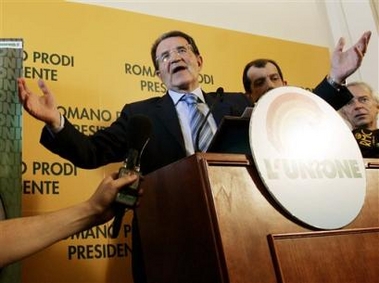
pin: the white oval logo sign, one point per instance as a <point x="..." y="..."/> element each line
<point x="307" y="157"/>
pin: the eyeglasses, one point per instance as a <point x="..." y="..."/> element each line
<point x="180" y="50"/>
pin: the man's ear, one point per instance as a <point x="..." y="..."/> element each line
<point x="200" y="61"/>
<point x="285" y="82"/>
<point x="158" y="73"/>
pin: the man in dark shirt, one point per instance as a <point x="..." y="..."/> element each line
<point x="362" y="113"/>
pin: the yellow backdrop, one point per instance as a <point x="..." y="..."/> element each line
<point x="95" y="60"/>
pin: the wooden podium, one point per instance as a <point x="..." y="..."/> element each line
<point x="208" y="218"/>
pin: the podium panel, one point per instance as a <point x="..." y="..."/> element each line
<point x="312" y="257"/>
<point x="209" y="218"/>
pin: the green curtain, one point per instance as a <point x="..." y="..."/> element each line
<point x="11" y="58"/>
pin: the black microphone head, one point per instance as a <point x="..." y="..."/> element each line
<point x="220" y="93"/>
<point x="220" y="90"/>
<point x="139" y="131"/>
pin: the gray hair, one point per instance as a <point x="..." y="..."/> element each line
<point x="367" y="87"/>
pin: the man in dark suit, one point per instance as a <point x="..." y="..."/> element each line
<point x="178" y="63"/>
<point x="262" y="75"/>
<point x="361" y="113"/>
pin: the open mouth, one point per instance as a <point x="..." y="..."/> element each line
<point x="360" y="115"/>
<point x="178" y="69"/>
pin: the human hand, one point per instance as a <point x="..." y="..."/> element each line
<point x="42" y="108"/>
<point x="345" y="63"/>
<point x="102" y="202"/>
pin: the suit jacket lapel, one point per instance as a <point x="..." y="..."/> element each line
<point x="166" y="112"/>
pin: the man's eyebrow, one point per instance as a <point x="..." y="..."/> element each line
<point x="259" y="78"/>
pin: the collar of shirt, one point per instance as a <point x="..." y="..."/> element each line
<point x="176" y="96"/>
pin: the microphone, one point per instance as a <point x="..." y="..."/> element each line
<point x="219" y="98"/>
<point x="368" y="141"/>
<point x="139" y="130"/>
<point x="220" y="94"/>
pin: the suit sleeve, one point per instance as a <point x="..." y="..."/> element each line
<point x="335" y="97"/>
<point x="105" y="146"/>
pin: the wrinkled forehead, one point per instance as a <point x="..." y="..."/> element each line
<point x="170" y="43"/>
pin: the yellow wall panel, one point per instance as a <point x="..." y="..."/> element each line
<point x="95" y="60"/>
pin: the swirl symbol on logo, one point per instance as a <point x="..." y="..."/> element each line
<point x="294" y="122"/>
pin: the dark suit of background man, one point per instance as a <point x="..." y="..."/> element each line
<point x="178" y="63"/>
<point x="263" y="74"/>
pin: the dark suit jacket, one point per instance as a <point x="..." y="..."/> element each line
<point x="109" y="145"/>
<point x="166" y="144"/>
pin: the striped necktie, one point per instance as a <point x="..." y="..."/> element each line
<point x="200" y="140"/>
